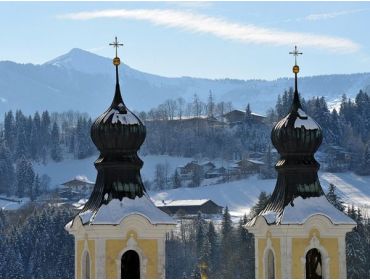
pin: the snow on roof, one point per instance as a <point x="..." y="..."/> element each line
<point x="187" y="202"/>
<point x="306" y="121"/>
<point x="115" y="211"/>
<point x="127" y="118"/>
<point x="255" y="161"/>
<point x="303" y="209"/>
<point x="12" y="203"/>
<point x="84" y="179"/>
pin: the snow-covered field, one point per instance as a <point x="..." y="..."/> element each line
<point x="60" y="172"/>
<point x="239" y="196"/>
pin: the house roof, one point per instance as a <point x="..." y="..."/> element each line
<point x="186" y="202"/>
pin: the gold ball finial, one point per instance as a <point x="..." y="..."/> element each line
<point x="116" y="61"/>
<point x="295" y="69"/>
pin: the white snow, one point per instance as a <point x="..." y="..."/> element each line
<point x="128" y="118"/>
<point x="239" y="196"/>
<point x="63" y="171"/>
<point x="270" y="217"/>
<point x="306" y="121"/>
<point x="12" y="203"/>
<point x="303" y="209"/>
<point x="184" y="202"/>
<point x="115" y="211"/>
<point x="84" y="179"/>
<point x="302" y="113"/>
<point x="352" y="188"/>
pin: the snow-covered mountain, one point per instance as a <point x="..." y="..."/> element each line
<point x="84" y="81"/>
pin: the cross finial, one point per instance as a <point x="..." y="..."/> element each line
<point x="295" y="53"/>
<point x="116" y="44"/>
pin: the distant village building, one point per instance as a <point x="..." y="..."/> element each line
<point x="75" y="189"/>
<point x="189" y="207"/>
<point x="239" y="116"/>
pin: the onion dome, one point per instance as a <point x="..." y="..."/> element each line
<point x="118" y="131"/>
<point x="297" y="133"/>
<point x="118" y="134"/>
<point x="296" y="137"/>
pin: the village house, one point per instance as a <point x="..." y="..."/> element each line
<point x="189" y="207"/>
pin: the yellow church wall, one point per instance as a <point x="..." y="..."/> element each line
<point x="298" y="249"/>
<point x="149" y="248"/>
<point x="80" y="250"/>
<point x="275" y="243"/>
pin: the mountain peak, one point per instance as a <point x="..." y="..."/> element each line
<point x="83" y="61"/>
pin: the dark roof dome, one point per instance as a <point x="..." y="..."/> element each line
<point x="118" y="130"/>
<point x="297" y="133"/>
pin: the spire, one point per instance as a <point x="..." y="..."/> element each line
<point x="116" y="62"/>
<point x="296" y="103"/>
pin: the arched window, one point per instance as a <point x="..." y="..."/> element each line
<point x="313" y="264"/>
<point x="270" y="265"/>
<point x="130" y="265"/>
<point x="86" y="266"/>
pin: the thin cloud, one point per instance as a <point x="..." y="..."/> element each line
<point x="245" y="33"/>
<point x="324" y="16"/>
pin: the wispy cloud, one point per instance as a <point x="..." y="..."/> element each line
<point x="323" y="16"/>
<point x="245" y="33"/>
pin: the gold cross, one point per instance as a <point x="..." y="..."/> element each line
<point x="295" y="53"/>
<point x="116" y="44"/>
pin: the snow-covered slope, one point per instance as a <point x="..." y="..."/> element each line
<point x="60" y="172"/>
<point x="239" y="196"/>
<point x="80" y="80"/>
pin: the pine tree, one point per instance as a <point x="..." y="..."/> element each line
<point x="10" y="130"/>
<point x="35" y="140"/>
<point x="226" y="245"/>
<point x="7" y="174"/>
<point x="248" y="114"/>
<point x="55" y="148"/>
<point x="25" y="177"/>
<point x="176" y="180"/>
<point x="213" y="255"/>
<point x="263" y="199"/>
<point x="334" y="199"/>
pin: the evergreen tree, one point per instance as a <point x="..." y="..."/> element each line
<point x="25" y="177"/>
<point x="10" y="130"/>
<point x="176" y="180"/>
<point x="263" y="199"/>
<point x="35" y="140"/>
<point x="55" y="149"/>
<point x="210" y="105"/>
<point x="334" y="199"/>
<point x="6" y="171"/>
<point x="213" y="251"/>
<point x="248" y="114"/>
<point x="226" y="245"/>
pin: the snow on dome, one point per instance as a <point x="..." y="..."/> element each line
<point x="270" y="217"/>
<point x="306" y="121"/>
<point x="116" y="210"/>
<point x="126" y="118"/>
<point x="305" y="208"/>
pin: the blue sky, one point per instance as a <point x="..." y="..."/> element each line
<point x="243" y="40"/>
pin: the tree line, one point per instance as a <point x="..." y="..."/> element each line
<point x="39" y="138"/>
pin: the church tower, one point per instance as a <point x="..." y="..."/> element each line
<point x="119" y="233"/>
<point x="299" y="234"/>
